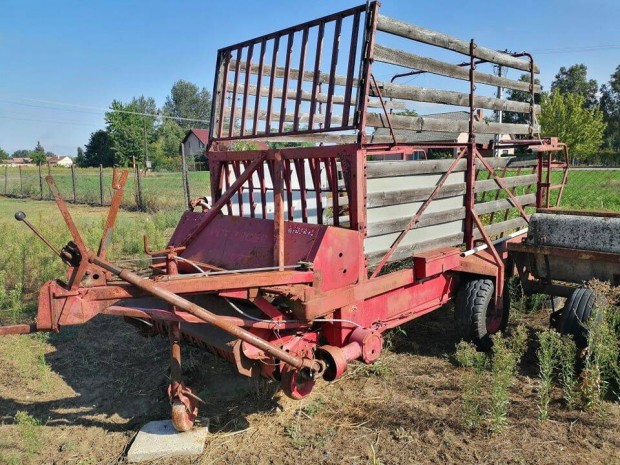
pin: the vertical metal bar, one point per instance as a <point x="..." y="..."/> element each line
<point x="287" y="72"/>
<point x="315" y="166"/>
<point x="348" y="91"/>
<point x="227" y="185"/>
<point x="332" y="73"/>
<point x="278" y="223"/>
<point x="357" y="199"/>
<point x="49" y="173"/>
<point x="217" y="82"/>
<point x="300" y="78"/>
<point x="233" y="102"/>
<point x="250" y="192"/>
<point x="539" y="181"/>
<point x="289" y="189"/>
<point x="363" y="88"/>
<point x="263" y="189"/>
<point x="244" y="103"/>
<point x="301" y="177"/>
<point x="335" y="192"/>
<point x="272" y="78"/>
<point x="259" y="80"/>
<point x="548" y="192"/>
<point x="223" y="89"/>
<point x="237" y="171"/>
<point x="316" y="79"/>
<point x="470" y="174"/>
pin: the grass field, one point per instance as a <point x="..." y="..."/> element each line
<point x="160" y="190"/>
<point x="79" y="396"/>
<point x="585" y="190"/>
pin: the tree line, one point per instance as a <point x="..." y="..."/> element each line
<point x="139" y="130"/>
<point x="576" y="110"/>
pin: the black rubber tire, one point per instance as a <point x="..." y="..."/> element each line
<point x="473" y="302"/>
<point x="579" y="309"/>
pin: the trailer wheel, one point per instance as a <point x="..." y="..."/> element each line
<point x="579" y="309"/>
<point x="476" y="316"/>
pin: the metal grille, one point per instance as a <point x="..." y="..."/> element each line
<point x="299" y="80"/>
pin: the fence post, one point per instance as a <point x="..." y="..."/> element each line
<point x="21" y="184"/>
<point x="6" y="179"/>
<point x="101" y="185"/>
<point x="49" y="173"/>
<point x="139" y="189"/>
<point x="73" y="183"/>
<point x="184" y="177"/>
<point x="40" y="182"/>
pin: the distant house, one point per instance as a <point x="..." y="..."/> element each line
<point x="65" y="162"/>
<point x="15" y="162"/>
<point x="420" y="137"/>
<point x="195" y="141"/>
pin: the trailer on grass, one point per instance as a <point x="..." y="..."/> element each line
<point x="308" y="254"/>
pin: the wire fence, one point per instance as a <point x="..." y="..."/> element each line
<point x="144" y="191"/>
<point x="587" y="188"/>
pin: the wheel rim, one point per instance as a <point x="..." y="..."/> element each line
<point x="295" y="385"/>
<point x="493" y="319"/>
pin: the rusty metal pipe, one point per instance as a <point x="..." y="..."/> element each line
<point x="173" y="299"/>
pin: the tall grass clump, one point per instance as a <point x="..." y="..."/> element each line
<point x="489" y="377"/>
<point x="547" y="363"/>
<point x="507" y="353"/>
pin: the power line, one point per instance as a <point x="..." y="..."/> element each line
<point x="592" y="48"/>
<point x="96" y="109"/>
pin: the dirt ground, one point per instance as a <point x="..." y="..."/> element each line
<point x="99" y="383"/>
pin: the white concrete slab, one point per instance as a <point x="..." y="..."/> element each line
<point x="159" y="439"/>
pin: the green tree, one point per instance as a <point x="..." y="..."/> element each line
<point x="21" y="154"/>
<point x="38" y="155"/>
<point x="79" y="159"/>
<point x="574" y="80"/>
<point x="98" y="150"/>
<point x="520" y="96"/>
<point x="187" y="100"/>
<point x="610" y="105"/>
<point x="165" y="148"/>
<point x="3" y="155"/>
<point x="131" y="128"/>
<point x="565" y="116"/>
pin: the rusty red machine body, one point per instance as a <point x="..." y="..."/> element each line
<point x="303" y="256"/>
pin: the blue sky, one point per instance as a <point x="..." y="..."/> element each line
<point x="87" y="53"/>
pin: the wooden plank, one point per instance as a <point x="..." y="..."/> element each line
<point x="503" y="204"/>
<point x="420" y="194"/>
<point x="407" y="251"/>
<point x="411" y="60"/>
<point x="320" y="97"/>
<point x="420" y="34"/>
<point x="446" y="216"/>
<point x="386" y="169"/>
<point x="420" y="123"/>
<point x="448" y="97"/>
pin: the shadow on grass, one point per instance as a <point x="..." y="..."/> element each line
<point x="120" y="380"/>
